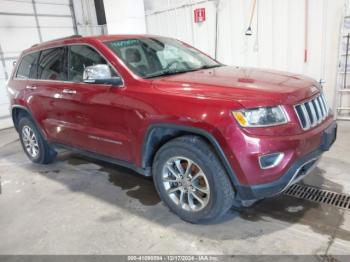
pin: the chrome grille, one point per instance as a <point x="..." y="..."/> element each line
<point x="312" y="112"/>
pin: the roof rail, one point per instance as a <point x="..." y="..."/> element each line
<point x="62" y="38"/>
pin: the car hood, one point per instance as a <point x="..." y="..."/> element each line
<point x="251" y="87"/>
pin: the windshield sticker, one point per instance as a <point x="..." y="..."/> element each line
<point x="123" y="43"/>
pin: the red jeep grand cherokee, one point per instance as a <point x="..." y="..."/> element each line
<point x="211" y="135"/>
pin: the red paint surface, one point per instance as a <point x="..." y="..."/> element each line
<point x="203" y="99"/>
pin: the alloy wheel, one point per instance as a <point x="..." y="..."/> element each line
<point x="186" y="184"/>
<point x="30" y="141"/>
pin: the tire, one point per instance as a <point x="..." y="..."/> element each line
<point x="207" y="179"/>
<point x="44" y="154"/>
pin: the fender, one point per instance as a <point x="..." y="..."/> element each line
<point x="201" y="132"/>
<point x="31" y="116"/>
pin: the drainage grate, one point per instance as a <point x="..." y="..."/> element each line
<point x="319" y="195"/>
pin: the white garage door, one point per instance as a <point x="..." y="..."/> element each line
<point x="24" y="23"/>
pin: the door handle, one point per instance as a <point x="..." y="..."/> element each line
<point x="31" y="87"/>
<point x="69" y="91"/>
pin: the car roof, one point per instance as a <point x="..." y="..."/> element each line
<point x="83" y="39"/>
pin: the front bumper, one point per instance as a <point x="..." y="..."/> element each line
<point x="299" y="169"/>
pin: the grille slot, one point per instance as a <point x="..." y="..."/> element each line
<point x="319" y="195"/>
<point x="312" y="112"/>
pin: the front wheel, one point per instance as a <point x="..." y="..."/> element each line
<point x="191" y="181"/>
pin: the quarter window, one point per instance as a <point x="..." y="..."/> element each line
<point x="80" y="57"/>
<point x="51" y="64"/>
<point x="27" y="66"/>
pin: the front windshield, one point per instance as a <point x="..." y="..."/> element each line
<point x="159" y="56"/>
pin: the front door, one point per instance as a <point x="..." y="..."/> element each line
<point x="96" y="111"/>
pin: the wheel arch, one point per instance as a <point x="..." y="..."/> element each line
<point x="18" y="111"/>
<point x="159" y="134"/>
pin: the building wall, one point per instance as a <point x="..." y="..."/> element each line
<point x="125" y="17"/>
<point x="278" y="39"/>
<point x="85" y="17"/>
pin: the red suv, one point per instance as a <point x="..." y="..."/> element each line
<point x="211" y="135"/>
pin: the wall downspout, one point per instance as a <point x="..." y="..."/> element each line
<point x="324" y="41"/>
<point x="306" y="31"/>
<point x="217" y="3"/>
<point x="72" y="11"/>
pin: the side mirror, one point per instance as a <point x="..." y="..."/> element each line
<point x="100" y="74"/>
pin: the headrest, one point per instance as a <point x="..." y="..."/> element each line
<point x="132" y="55"/>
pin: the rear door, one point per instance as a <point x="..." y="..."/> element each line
<point x="24" y="82"/>
<point x="47" y="101"/>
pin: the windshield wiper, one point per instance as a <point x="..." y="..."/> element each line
<point x="208" y="66"/>
<point x="167" y="72"/>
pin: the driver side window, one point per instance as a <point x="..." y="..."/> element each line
<point x="80" y="57"/>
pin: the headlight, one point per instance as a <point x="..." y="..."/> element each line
<point x="260" y="117"/>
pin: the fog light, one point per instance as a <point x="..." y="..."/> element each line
<point x="270" y="160"/>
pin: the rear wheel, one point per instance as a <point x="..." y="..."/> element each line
<point x="33" y="143"/>
<point x="191" y="181"/>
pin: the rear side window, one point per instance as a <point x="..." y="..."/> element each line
<point x="52" y="64"/>
<point x="27" y="66"/>
<point x="81" y="56"/>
